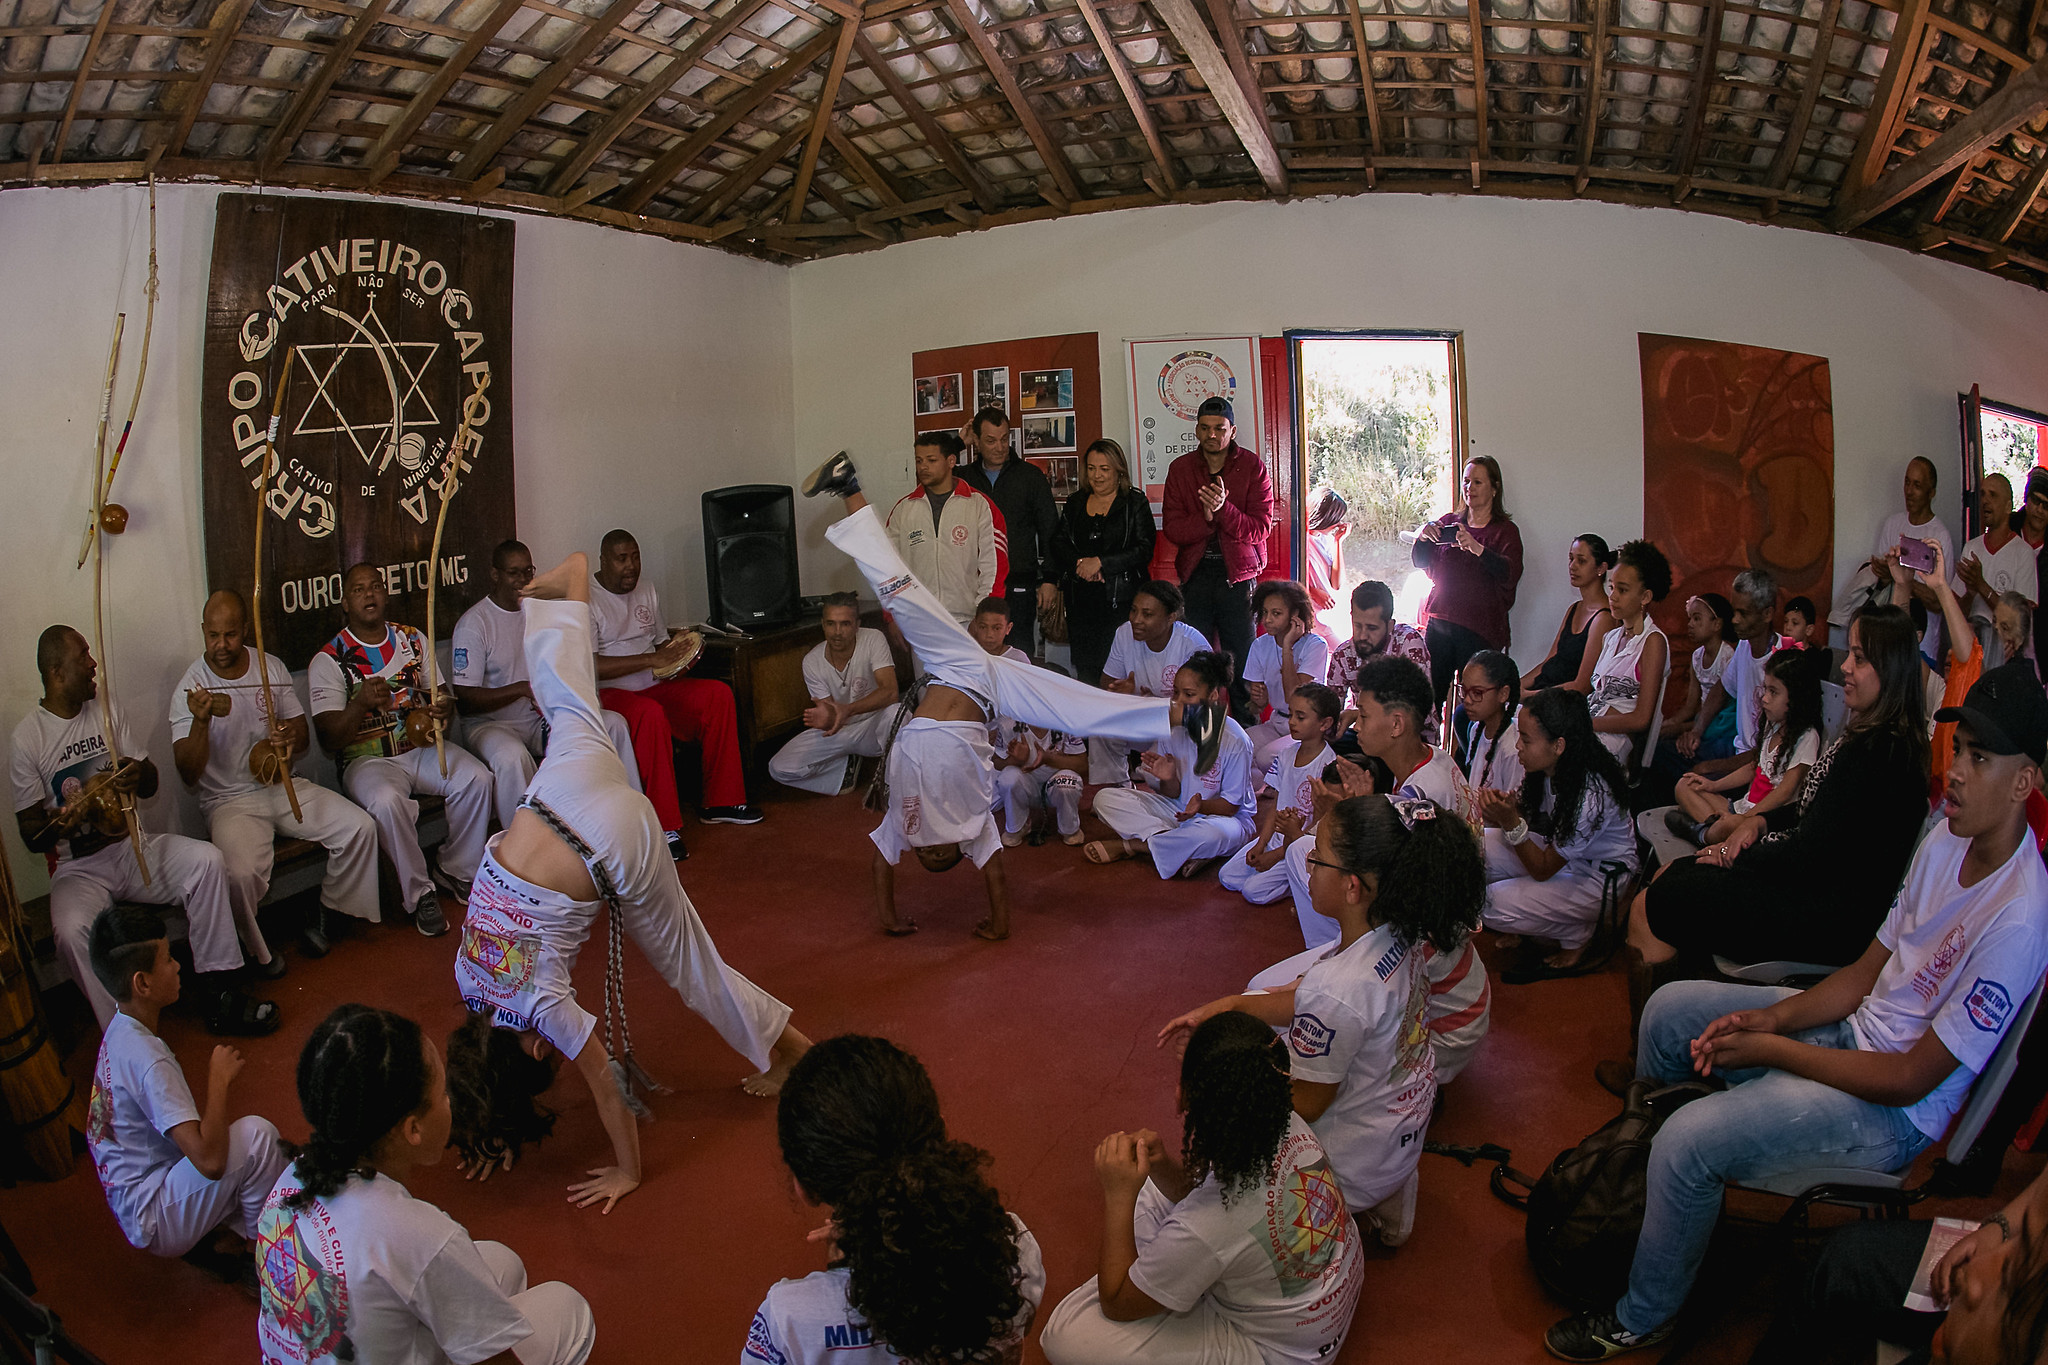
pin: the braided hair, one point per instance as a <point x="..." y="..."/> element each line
<point x="1238" y="1095"/>
<point x="1432" y="879"/>
<point x="1564" y="715"/>
<point x="931" y="1255"/>
<point x="494" y="1090"/>
<point x="361" y="1074"/>
<point x="1212" y="669"/>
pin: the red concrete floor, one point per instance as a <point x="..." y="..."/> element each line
<point x="1038" y="1046"/>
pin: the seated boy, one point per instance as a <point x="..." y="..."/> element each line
<point x="172" y="1173"/>
<point x="1800" y="617"/>
<point x="1866" y="1069"/>
<point x="940" y="767"/>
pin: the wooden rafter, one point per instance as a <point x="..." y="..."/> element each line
<point x="85" y="63"/>
<point x="814" y="141"/>
<point x="1366" y="91"/>
<point x="674" y="69"/>
<point x="1247" y="119"/>
<point x="764" y="87"/>
<point x="879" y="181"/>
<point x="314" y="92"/>
<point x="2006" y="108"/>
<point x="226" y="26"/>
<point x="722" y="195"/>
<point x="1133" y="93"/>
<point x="1809" y="95"/>
<point x="1696" y="104"/>
<point x="1020" y="102"/>
<point x="1476" y="11"/>
<point x="539" y="90"/>
<point x="937" y="139"/>
<point x="428" y="97"/>
<point x="1595" y="96"/>
<point x="1880" y="120"/>
<point x="2019" y="202"/>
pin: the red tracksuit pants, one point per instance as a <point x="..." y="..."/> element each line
<point x="689" y="709"/>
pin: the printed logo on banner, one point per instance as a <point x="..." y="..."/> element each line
<point x="1190" y="378"/>
<point x="1989" y="1004"/>
<point x="1311" y="1037"/>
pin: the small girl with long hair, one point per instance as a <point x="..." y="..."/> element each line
<point x="1483" y="727"/>
<point x="1396" y="875"/>
<point x="1257" y="869"/>
<point x="1195" y="805"/>
<point x="1692" y="732"/>
<point x="351" y="1266"/>
<point x="922" y="1262"/>
<point x="1288" y="655"/>
<point x="1242" y="1249"/>
<point x="1545" y="844"/>
<point x="1793" y="727"/>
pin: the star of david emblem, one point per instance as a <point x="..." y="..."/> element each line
<point x="300" y="1295"/>
<point x="1319" y="1209"/>
<point x="401" y="365"/>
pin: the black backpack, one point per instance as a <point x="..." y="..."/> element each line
<point x="1586" y="1212"/>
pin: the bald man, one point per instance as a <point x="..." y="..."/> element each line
<point x="218" y="720"/>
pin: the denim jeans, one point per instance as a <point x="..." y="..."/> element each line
<point x="1766" y="1123"/>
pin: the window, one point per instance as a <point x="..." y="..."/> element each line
<point x="2012" y="443"/>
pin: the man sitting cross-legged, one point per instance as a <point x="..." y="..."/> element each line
<point x="851" y="681"/>
<point x="1866" y="1069"/>
<point x="939" y="768"/>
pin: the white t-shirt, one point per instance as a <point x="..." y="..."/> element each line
<point x="941" y="790"/>
<point x="857" y="679"/>
<point x="626" y="625"/>
<point x="1439" y="780"/>
<point x="54" y="757"/>
<point x="809" y="1321"/>
<point x="1262" y="665"/>
<point x="1361" y="1023"/>
<point x="1230" y="778"/>
<point x="1963" y="961"/>
<point x="1280" y="1261"/>
<point x="344" y="662"/>
<point x="373" y="1275"/>
<point x="2016" y="568"/>
<point x="1803" y="755"/>
<point x="1897" y="527"/>
<point x="138" y="1095"/>
<point x="1603" y="833"/>
<point x="1743" y="681"/>
<point x="229" y="738"/>
<point x="519" y="946"/>
<point x="1493" y="764"/>
<point x="1618" y="682"/>
<point x="1152" y="669"/>
<point x="1294" y="784"/>
<point x="488" y="649"/>
<point x="1710" y="673"/>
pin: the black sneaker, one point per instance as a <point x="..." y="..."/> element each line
<point x="836" y="476"/>
<point x="732" y="815"/>
<point x="676" y="849"/>
<point x="313" y="938"/>
<point x="452" y="884"/>
<point x="427" y="916"/>
<point x="1598" y="1335"/>
<point x="1204" y="725"/>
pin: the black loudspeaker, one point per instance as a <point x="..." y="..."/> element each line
<point x="750" y="555"/>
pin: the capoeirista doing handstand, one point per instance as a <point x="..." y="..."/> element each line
<point x="940" y="767"/>
<point x="582" y="839"/>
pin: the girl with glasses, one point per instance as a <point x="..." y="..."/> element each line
<point x="1483" y="741"/>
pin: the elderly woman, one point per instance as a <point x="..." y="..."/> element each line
<point x="1102" y="550"/>
<point x="1474" y="562"/>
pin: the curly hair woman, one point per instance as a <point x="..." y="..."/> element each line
<point x="1241" y="1249"/>
<point x="1399" y="877"/>
<point x="351" y="1266"/>
<point x="921" y="1258"/>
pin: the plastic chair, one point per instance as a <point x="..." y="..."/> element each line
<point x="1834" y="709"/>
<point x="1776" y="973"/>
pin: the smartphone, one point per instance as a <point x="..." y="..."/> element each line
<point x="1916" y="555"/>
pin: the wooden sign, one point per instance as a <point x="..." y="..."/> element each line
<point x="397" y="323"/>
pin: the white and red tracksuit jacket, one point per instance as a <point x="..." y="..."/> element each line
<point x="965" y="558"/>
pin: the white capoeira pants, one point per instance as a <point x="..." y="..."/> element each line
<point x="187" y="873"/>
<point x="564" y="1329"/>
<point x="188" y="1206"/>
<point x="244" y="828"/>
<point x="385" y="786"/>
<point x="1023" y="692"/>
<point x="584" y="782"/>
<point x="814" y="761"/>
<point x="1141" y="813"/>
<point x="511" y="747"/>
<point x="1564" y="909"/>
<point x="1025" y="790"/>
<point x="1260" y="888"/>
<point x="1317" y="929"/>
<point x="1077" y="1333"/>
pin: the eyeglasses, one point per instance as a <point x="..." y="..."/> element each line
<point x="527" y="572"/>
<point x="1475" y="693"/>
<point x="1314" y="861"/>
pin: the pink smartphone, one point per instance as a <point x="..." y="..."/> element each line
<point x="1916" y="555"/>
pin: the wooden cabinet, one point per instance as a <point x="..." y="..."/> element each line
<point x="766" y="674"/>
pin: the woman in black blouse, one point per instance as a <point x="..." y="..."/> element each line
<point x="1102" y="551"/>
<point x="1813" y="884"/>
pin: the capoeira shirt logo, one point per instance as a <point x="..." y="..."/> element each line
<point x="1305" y="1220"/>
<point x="1414" y="1072"/>
<point x="300" y="1272"/>
<point x="397" y="660"/>
<point x="99" y="1113"/>
<point x="499" y="965"/>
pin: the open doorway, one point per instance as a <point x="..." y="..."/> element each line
<point x="2012" y="443"/>
<point x="1381" y="417"/>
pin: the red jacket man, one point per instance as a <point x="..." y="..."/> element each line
<point x="1218" y="512"/>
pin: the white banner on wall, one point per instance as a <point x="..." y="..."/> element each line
<point x="1169" y="379"/>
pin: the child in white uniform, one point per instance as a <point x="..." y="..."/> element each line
<point x="1394" y="874"/>
<point x="1288" y="655"/>
<point x="940" y="773"/>
<point x="583" y="834"/>
<point x="1186" y="814"/>
<point x="1040" y="770"/>
<point x="1484" y="746"/>
<point x="907" y="1210"/>
<point x="172" y="1174"/>
<point x="1546" y="844"/>
<point x="1144" y="654"/>
<point x="1242" y="1250"/>
<point x="1258" y="869"/>
<point x="853" y="668"/>
<point x="351" y="1266"/>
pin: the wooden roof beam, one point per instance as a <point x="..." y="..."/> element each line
<point x="92" y="52"/>
<point x="1809" y="95"/>
<point x="1476" y="13"/>
<point x="428" y="97"/>
<point x="2019" y="203"/>
<point x="1887" y="104"/>
<point x="879" y="181"/>
<point x="227" y="23"/>
<point x="1366" y="92"/>
<point x="1696" y="110"/>
<point x="314" y="92"/>
<point x="539" y="90"/>
<point x="1594" y="96"/>
<point x="1020" y="103"/>
<point x="671" y="163"/>
<point x="814" y="141"/>
<point x="620" y="119"/>
<point x="1246" y="118"/>
<point x="1134" y="94"/>
<point x="746" y="177"/>
<point x="2006" y="108"/>
<point x="937" y="139"/>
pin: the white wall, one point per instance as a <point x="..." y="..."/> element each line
<point x="643" y="372"/>
<point x="1550" y="297"/>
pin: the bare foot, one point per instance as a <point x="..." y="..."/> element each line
<point x="987" y="930"/>
<point x="790" y="1046"/>
<point x="1564" y="958"/>
<point x="1507" y="943"/>
<point x="1108" y="850"/>
<point x="568" y="581"/>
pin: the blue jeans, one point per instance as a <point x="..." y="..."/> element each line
<point x="1766" y="1123"/>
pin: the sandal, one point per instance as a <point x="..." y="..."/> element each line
<point x="901" y="929"/>
<point x="234" y="1014"/>
<point x="1099" y="852"/>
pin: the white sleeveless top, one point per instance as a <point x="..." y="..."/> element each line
<point x="1616" y="680"/>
